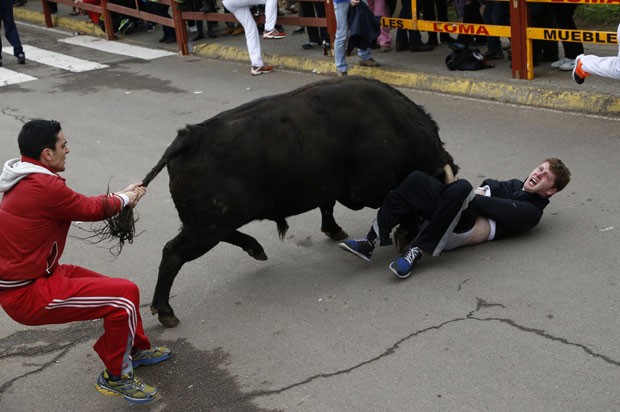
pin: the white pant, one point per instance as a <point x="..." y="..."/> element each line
<point x="241" y="10"/>
<point x="603" y="66"/>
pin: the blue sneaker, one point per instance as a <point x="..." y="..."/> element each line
<point x="361" y="248"/>
<point x="151" y="356"/>
<point x="403" y="266"/>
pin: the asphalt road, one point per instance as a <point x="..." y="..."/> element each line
<point x="524" y="324"/>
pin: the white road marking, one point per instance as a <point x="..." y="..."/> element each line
<point x="116" y="47"/>
<point x="58" y="60"/>
<point x="10" y="77"/>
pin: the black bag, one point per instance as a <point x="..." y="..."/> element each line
<point x="464" y="58"/>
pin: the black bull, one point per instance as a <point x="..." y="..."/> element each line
<point x="350" y="140"/>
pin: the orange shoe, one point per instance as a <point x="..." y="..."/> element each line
<point x="255" y="71"/>
<point x="274" y="34"/>
<point x="579" y="75"/>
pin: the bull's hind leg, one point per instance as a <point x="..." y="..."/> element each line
<point x="186" y="246"/>
<point x="329" y="225"/>
<point x="247" y="243"/>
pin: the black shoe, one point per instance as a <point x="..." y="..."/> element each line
<point x="494" y="55"/>
<point x="446" y="38"/>
<point x="310" y="45"/>
<point x="212" y="34"/>
<point x="198" y="36"/>
<point x="170" y="40"/>
<point x="21" y="58"/>
<point x="400" y="47"/>
<point x="299" y="30"/>
<point x="421" y="48"/>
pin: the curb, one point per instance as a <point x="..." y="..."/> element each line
<point x="587" y="102"/>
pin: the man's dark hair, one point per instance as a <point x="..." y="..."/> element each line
<point x="37" y="135"/>
<point x="561" y="172"/>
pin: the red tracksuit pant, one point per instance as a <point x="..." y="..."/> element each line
<point x="72" y="294"/>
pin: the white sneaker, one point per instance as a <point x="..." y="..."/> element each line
<point x="556" y="64"/>
<point x="568" y="66"/>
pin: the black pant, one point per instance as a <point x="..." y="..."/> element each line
<point x="408" y="37"/>
<point x="564" y="18"/>
<point x="423" y="196"/>
<point x="315" y="9"/>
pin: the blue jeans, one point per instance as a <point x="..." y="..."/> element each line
<point x="10" y="30"/>
<point x="340" y="42"/>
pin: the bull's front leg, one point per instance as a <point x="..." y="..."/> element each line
<point x="247" y="243"/>
<point x="329" y="225"/>
<point x="186" y="246"/>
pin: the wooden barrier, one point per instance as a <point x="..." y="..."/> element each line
<point x="519" y="32"/>
<point x="180" y="17"/>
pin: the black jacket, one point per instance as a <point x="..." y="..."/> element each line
<point x="364" y="27"/>
<point x="513" y="209"/>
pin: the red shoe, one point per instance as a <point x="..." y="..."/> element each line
<point x="579" y="75"/>
<point x="260" y="70"/>
<point x="274" y="34"/>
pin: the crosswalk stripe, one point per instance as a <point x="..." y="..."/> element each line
<point x="116" y="47"/>
<point x="10" y="77"/>
<point x="58" y="60"/>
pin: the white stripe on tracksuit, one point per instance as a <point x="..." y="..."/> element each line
<point x="94" y="302"/>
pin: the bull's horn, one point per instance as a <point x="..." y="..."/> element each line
<point x="449" y="176"/>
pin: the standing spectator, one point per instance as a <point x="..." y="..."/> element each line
<point x="541" y="15"/>
<point x="316" y="35"/>
<point x="341" y="10"/>
<point x="410" y="39"/>
<point x="564" y="19"/>
<point x="380" y="8"/>
<point x="36" y="212"/>
<point x="241" y="10"/>
<point x="205" y="6"/>
<point x="10" y="31"/>
<point x="471" y="14"/>
<point x="587" y="64"/>
<point x="496" y="13"/>
<point x="436" y="10"/>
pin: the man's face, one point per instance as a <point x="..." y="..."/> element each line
<point x="541" y="181"/>
<point x="55" y="159"/>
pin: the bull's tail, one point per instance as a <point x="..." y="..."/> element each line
<point x="122" y="225"/>
<point x="180" y="145"/>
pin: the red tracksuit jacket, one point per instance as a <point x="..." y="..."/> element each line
<point x="35" y="216"/>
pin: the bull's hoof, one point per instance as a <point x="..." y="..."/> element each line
<point x="257" y="254"/>
<point x="169" y="321"/>
<point x="337" y="236"/>
<point x="166" y="318"/>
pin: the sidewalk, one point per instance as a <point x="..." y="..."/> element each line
<point x="550" y="88"/>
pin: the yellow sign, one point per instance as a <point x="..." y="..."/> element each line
<point x="447" y="27"/>
<point x="393" y="23"/>
<point x="580" y="36"/>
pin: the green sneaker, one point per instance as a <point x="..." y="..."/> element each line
<point x="151" y="356"/>
<point x="129" y="387"/>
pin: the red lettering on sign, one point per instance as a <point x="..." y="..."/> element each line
<point x="461" y="29"/>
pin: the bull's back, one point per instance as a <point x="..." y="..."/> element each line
<point x="351" y="141"/>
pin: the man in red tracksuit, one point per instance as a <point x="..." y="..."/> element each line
<point x="36" y="211"/>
